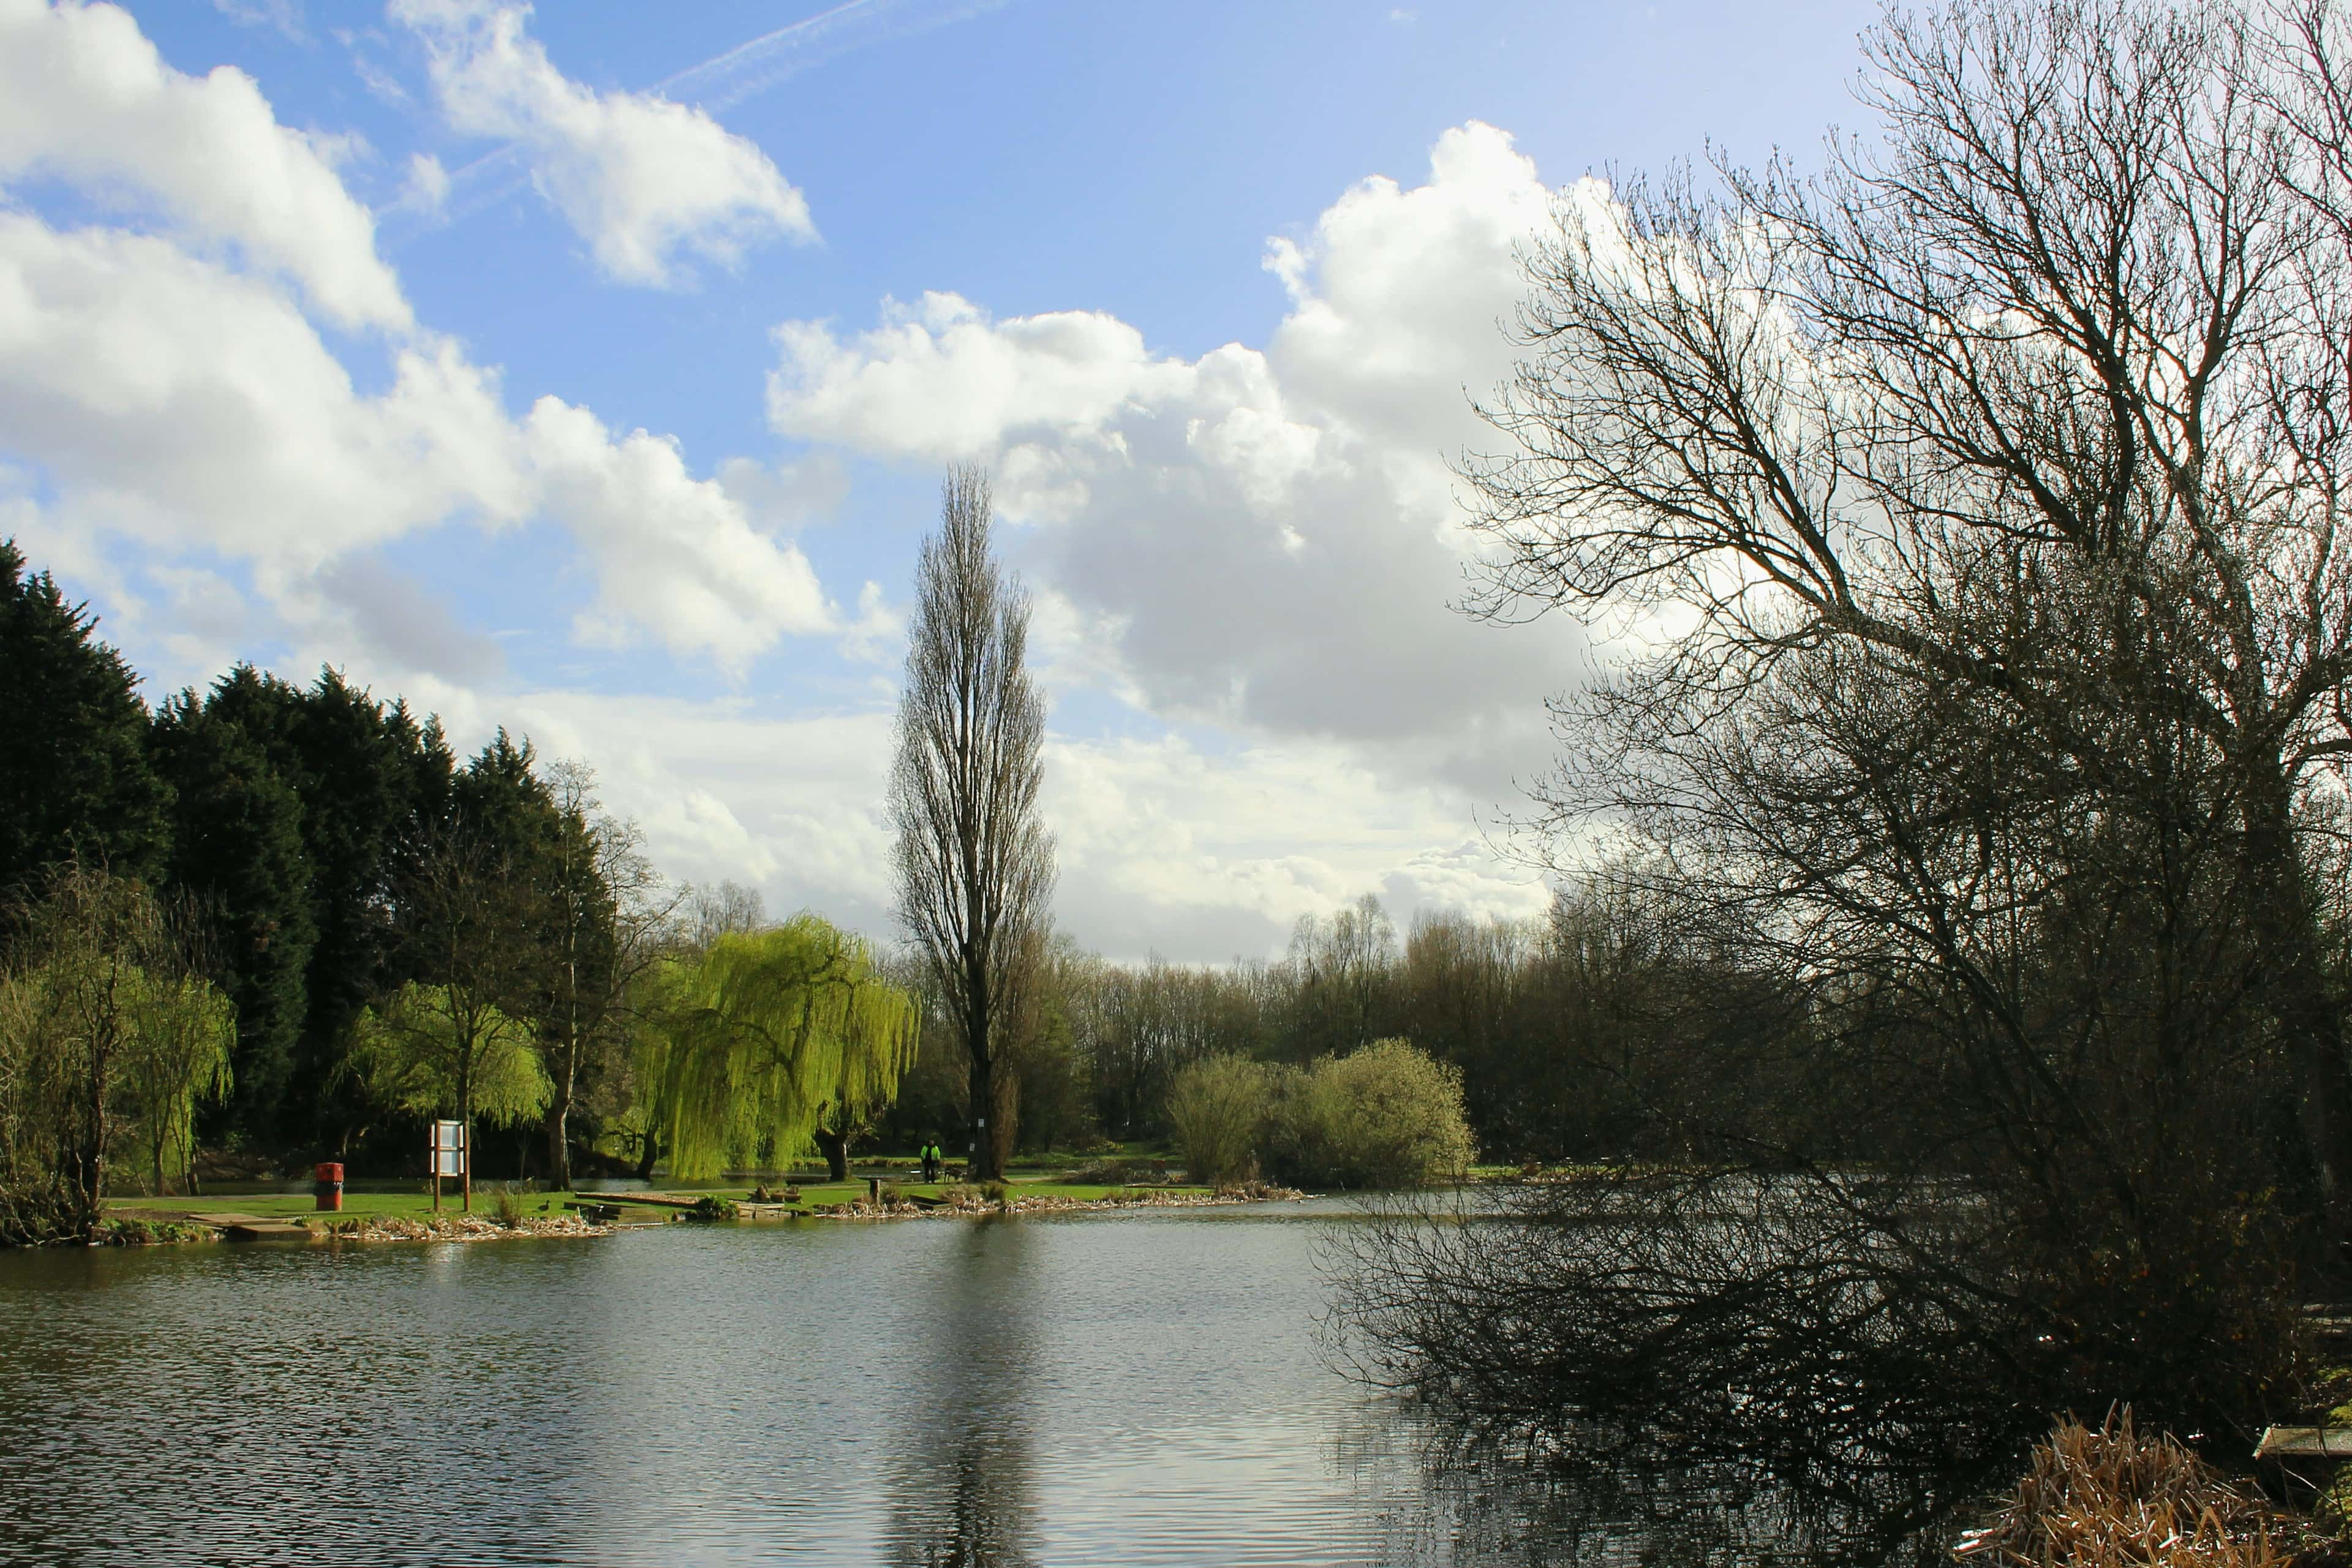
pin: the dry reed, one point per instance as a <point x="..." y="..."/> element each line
<point x="2106" y="1497"/>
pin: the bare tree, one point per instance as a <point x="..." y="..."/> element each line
<point x="718" y="908"/>
<point x="975" y="864"/>
<point x="1344" y="968"/>
<point x="2029" y="413"/>
<point x="608" y="914"/>
<point x="462" y="1035"/>
<point x="1977" y="505"/>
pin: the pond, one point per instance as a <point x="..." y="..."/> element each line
<point x="1142" y="1388"/>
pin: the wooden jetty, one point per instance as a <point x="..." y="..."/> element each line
<point x="2329" y="1323"/>
<point x="2291" y="1443"/>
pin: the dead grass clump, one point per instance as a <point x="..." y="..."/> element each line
<point x="455" y="1228"/>
<point x="1257" y="1192"/>
<point x="2109" y="1497"/>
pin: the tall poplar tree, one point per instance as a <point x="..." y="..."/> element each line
<point x="605" y="916"/>
<point x="974" y="861"/>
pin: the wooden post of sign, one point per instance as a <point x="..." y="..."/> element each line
<point x="433" y="1158"/>
<point x="466" y="1160"/>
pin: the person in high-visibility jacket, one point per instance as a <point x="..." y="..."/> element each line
<point x="931" y="1157"/>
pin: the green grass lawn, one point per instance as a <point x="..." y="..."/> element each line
<point x="299" y="1206"/>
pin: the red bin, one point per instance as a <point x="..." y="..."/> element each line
<point x="329" y="1188"/>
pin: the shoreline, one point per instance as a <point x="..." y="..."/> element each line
<point x="1047" y="1203"/>
<point x="170" y="1229"/>
<point x="157" y="1225"/>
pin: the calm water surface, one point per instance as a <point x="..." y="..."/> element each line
<point x="1134" y="1389"/>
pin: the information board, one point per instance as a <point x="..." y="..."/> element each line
<point x="448" y="1148"/>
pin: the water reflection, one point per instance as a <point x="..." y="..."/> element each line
<point x="1485" y="1499"/>
<point x="1139" y="1389"/>
<point x="963" y="1488"/>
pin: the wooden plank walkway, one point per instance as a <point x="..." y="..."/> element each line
<point x="2305" y="1443"/>
<point x="2330" y="1323"/>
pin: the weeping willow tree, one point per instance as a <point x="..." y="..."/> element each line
<point x="437" y="1049"/>
<point x="108" y="1035"/>
<point x="777" y="1042"/>
<point x="183" y="1032"/>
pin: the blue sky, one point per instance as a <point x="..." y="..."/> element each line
<point x="443" y="342"/>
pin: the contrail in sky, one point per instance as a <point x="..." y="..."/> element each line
<point x="725" y="81"/>
<point x="744" y="72"/>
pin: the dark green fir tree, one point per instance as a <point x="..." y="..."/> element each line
<point x="75" y="781"/>
<point x="237" y="852"/>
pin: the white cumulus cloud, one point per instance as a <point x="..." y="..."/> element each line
<point x="1164" y="847"/>
<point x="169" y="384"/>
<point x="85" y="98"/>
<point x="176" y="402"/>
<point x="673" y="552"/>
<point x="643" y="181"/>
<point x="942" y="379"/>
<point x="1262" y="536"/>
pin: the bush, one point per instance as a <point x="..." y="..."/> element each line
<point x="1217" y="1110"/>
<point x="36" y="1216"/>
<point x="709" y="1207"/>
<point x="145" y="1232"/>
<point x="506" y="1208"/>
<point x="1387" y="1115"/>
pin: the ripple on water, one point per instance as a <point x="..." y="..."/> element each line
<point x="1140" y="1389"/>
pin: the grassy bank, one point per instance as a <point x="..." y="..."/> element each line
<point x="418" y="1203"/>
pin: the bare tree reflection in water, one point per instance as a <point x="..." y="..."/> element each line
<point x="1459" y="1492"/>
<point x="963" y="1488"/>
<point x="1725" y="1377"/>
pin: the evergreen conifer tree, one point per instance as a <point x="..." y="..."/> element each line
<point x="373" y="787"/>
<point x="75" y="781"/>
<point x="236" y="848"/>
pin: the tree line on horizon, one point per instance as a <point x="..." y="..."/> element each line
<point x="379" y="930"/>
<point x="1579" y="1035"/>
<point x="363" y="931"/>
